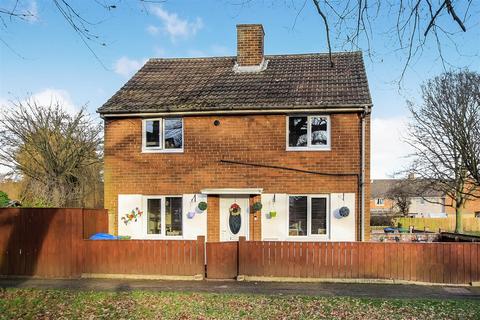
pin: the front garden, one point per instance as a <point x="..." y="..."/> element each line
<point x="69" y="304"/>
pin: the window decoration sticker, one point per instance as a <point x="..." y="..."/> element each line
<point x="134" y="215"/>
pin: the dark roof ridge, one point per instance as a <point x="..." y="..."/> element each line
<point x="287" y="55"/>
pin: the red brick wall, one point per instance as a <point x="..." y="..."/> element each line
<point x="257" y="139"/>
<point x="213" y="218"/>
<point x="255" y="221"/>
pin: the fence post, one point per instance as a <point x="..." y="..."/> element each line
<point x="200" y="258"/>
<point x="241" y="258"/>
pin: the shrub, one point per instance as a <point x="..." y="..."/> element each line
<point x="4" y="200"/>
<point x="381" y="221"/>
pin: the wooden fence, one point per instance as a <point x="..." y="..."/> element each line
<point x="222" y="260"/>
<point x="45" y="242"/>
<point x="50" y="243"/>
<point x="424" y="262"/>
<point x="145" y="257"/>
<point x="470" y="223"/>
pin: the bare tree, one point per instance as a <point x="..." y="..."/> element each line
<point x="82" y="24"/>
<point x="400" y="193"/>
<point x="57" y="154"/>
<point x="412" y="24"/>
<point x="433" y="133"/>
<point x="468" y="137"/>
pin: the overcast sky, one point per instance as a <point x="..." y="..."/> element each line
<point x="46" y="59"/>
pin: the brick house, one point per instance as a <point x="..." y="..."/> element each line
<point x="291" y="132"/>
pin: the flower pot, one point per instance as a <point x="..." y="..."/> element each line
<point x="202" y="206"/>
<point x="273" y="214"/>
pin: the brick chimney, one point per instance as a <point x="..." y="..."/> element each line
<point x="250" y="46"/>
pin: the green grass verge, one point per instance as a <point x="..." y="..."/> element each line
<point x="66" y="304"/>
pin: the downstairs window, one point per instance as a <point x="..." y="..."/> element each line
<point x="307" y="215"/>
<point x="164" y="216"/>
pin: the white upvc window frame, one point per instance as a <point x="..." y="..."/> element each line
<point x="309" y="146"/>
<point x="309" y="234"/>
<point x="163" y="221"/>
<point x="379" y="203"/>
<point x="161" y="147"/>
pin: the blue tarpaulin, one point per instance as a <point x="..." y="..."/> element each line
<point x="103" y="236"/>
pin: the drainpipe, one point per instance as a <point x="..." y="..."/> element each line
<point x="362" y="174"/>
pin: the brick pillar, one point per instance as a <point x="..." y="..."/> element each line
<point x="213" y="218"/>
<point x="255" y="220"/>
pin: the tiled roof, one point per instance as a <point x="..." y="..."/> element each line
<point x="210" y="84"/>
<point x="380" y="188"/>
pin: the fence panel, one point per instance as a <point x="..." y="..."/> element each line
<point x="425" y="262"/>
<point x="222" y="260"/>
<point x="144" y="257"/>
<point x="44" y="242"/>
<point x="94" y="221"/>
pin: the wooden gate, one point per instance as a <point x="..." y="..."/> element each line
<point x="222" y="260"/>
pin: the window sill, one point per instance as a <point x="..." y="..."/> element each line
<point x="308" y="149"/>
<point x="322" y="237"/>
<point x="162" y="150"/>
<point x="161" y="237"/>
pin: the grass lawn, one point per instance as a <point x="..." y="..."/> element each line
<point x="66" y="304"/>
<point x="473" y="233"/>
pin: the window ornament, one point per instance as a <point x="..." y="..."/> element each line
<point x="344" y="212"/>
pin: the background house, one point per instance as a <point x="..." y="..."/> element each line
<point x="424" y="202"/>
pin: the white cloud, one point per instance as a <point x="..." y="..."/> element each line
<point x="44" y="98"/>
<point x="127" y="67"/>
<point x="173" y="25"/>
<point x="50" y="96"/>
<point x="388" y="149"/>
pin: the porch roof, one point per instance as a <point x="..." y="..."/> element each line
<point x="232" y="191"/>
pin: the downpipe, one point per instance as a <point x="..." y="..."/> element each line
<point x="365" y="113"/>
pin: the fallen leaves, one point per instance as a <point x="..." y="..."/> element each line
<point x="71" y="304"/>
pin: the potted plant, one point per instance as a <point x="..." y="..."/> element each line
<point x="202" y="206"/>
<point x="273" y="214"/>
<point x="257" y="206"/>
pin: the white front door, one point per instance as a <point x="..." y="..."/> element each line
<point x="234" y="215"/>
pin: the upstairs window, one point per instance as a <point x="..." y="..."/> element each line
<point x="163" y="135"/>
<point x="379" y="201"/>
<point x="308" y="132"/>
